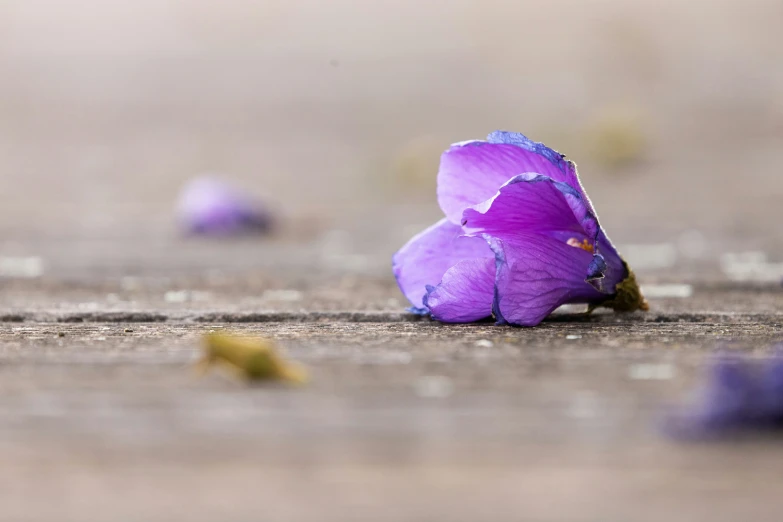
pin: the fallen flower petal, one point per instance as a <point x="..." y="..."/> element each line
<point x="472" y="171"/>
<point x="426" y="258"/>
<point x="211" y="207"/>
<point x="530" y="286"/>
<point x="525" y="202"/>
<point x="738" y="396"/>
<point x="465" y="293"/>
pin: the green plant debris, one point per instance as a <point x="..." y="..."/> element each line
<point x="253" y="359"/>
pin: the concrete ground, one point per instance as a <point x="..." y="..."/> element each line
<point x="103" y="417"/>
<point x="106" y="109"/>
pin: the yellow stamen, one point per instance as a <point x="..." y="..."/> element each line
<point x="584" y="244"/>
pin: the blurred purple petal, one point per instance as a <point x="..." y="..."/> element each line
<point x="424" y="260"/>
<point x="465" y="294"/>
<point x="771" y="386"/>
<point x="211" y="207"/>
<point x="739" y="395"/>
<point x="473" y="171"/>
<point x="727" y="399"/>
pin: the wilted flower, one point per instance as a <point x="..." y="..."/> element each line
<point x="211" y="207"/>
<point x="738" y="396"/>
<point x="520" y="238"/>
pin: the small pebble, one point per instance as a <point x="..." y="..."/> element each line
<point x="129" y="330"/>
<point x="484" y="343"/>
<point x="572" y="337"/>
<point x="60" y="334"/>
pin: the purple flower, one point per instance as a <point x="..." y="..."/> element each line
<point x="738" y="396"/>
<point x="520" y="238"/>
<point x="208" y="206"/>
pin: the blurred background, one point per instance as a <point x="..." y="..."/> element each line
<point x="333" y="115"/>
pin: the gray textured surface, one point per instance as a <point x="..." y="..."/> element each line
<point x="107" y="108"/>
<point x="402" y="421"/>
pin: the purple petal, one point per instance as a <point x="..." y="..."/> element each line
<point x="535" y="275"/>
<point x="209" y="206"/>
<point x="729" y="392"/>
<point x="726" y="403"/>
<point x="465" y="294"/>
<point x="614" y="270"/>
<point x="595" y="271"/>
<point x="425" y="259"/>
<point x="771" y="389"/>
<point x="522" y="141"/>
<point x="533" y="203"/>
<point x="473" y="171"/>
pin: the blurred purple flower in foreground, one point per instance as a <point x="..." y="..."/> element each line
<point x="520" y="238"/>
<point x="211" y="207"/>
<point x="738" y="396"/>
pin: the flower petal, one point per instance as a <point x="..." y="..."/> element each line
<point x="533" y="203"/>
<point x="472" y="171"/>
<point x="210" y="206"/>
<point x="536" y="204"/>
<point x="523" y="142"/>
<point x="465" y="294"/>
<point x="425" y="259"/>
<point x="535" y="275"/>
<point x="614" y="270"/>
